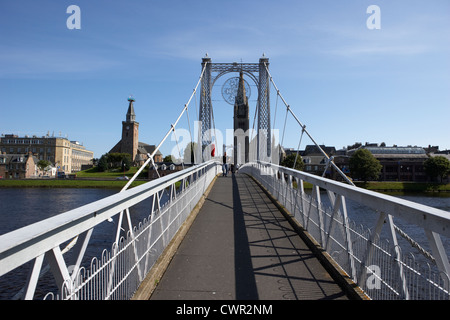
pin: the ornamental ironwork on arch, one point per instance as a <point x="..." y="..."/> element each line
<point x="258" y="72"/>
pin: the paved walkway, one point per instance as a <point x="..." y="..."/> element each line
<point x="241" y="247"/>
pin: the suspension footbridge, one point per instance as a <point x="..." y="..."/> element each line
<point x="257" y="233"/>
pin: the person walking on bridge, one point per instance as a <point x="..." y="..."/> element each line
<point x="225" y="165"/>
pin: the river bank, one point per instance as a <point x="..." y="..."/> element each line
<point x="389" y="186"/>
<point x="405" y="187"/>
<point x="69" y="183"/>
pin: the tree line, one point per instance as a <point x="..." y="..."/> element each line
<point x="364" y="166"/>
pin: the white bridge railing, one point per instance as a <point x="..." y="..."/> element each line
<point x="117" y="273"/>
<point x="375" y="261"/>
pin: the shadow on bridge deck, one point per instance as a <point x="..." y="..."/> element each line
<point x="240" y="246"/>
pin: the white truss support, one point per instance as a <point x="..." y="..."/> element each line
<point x="396" y="248"/>
<point x="339" y="205"/>
<point x="79" y="250"/>
<point x="336" y="203"/>
<point x="348" y="239"/>
<point x="299" y="200"/>
<point x="367" y="256"/>
<point x="439" y="253"/>
<point x="33" y="277"/>
<point x="152" y="217"/>
<point x="119" y="227"/>
<point x="133" y="241"/>
<point x="320" y="215"/>
<point x="59" y="269"/>
<point x="308" y="213"/>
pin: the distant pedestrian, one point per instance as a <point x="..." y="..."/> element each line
<point x="224" y="165"/>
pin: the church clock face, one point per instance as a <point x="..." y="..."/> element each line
<point x="230" y="89"/>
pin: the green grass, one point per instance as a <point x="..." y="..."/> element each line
<point x="93" y="173"/>
<point x="405" y="186"/>
<point x="89" y="178"/>
<point x="393" y="186"/>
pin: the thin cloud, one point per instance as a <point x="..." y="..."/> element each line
<point x="408" y="38"/>
<point x="28" y="63"/>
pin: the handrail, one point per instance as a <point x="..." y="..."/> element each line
<point x="434" y="219"/>
<point x="361" y="252"/>
<point x="30" y="242"/>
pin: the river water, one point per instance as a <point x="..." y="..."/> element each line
<point x="20" y="207"/>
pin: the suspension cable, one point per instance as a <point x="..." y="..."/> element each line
<point x="284" y="129"/>
<point x="288" y="108"/>
<point x="214" y="128"/>
<point x="178" y="147"/>
<point x="254" y="119"/>
<point x="190" y="133"/>
<point x="298" y="147"/>
<point x="331" y="162"/>
<point x="167" y="134"/>
<point x="275" y="114"/>
<point x="284" y="126"/>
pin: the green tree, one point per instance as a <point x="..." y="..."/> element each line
<point x="43" y="164"/>
<point x="114" y="161"/>
<point x="437" y="166"/>
<point x="167" y="158"/>
<point x="289" y="162"/>
<point x="364" y="166"/>
<point x="103" y="163"/>
<point x="126" y="161"/>
<point x="119" y="160"/>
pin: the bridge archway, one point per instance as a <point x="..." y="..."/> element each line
<point x="258" y="72"/>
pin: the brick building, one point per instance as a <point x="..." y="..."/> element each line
<point x="18" y="166"/>
<point x="66" y="155"/>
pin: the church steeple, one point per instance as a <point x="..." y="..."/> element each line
<point x="130" y="132"/>
<point x="241" y="124"/>
<point x="241" y="97"/>
<point x="131" y="116"/>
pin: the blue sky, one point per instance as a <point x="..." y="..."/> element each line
<point x="345" y="82"/>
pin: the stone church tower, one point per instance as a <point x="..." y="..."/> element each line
<point x="130" y="134"/>
<point x="241" y="124"/>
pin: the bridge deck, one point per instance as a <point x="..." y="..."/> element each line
<point x="241" y="247"/>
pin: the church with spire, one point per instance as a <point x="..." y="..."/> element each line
<point x="130" y="139"/>
<point x="241" y="124"/>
